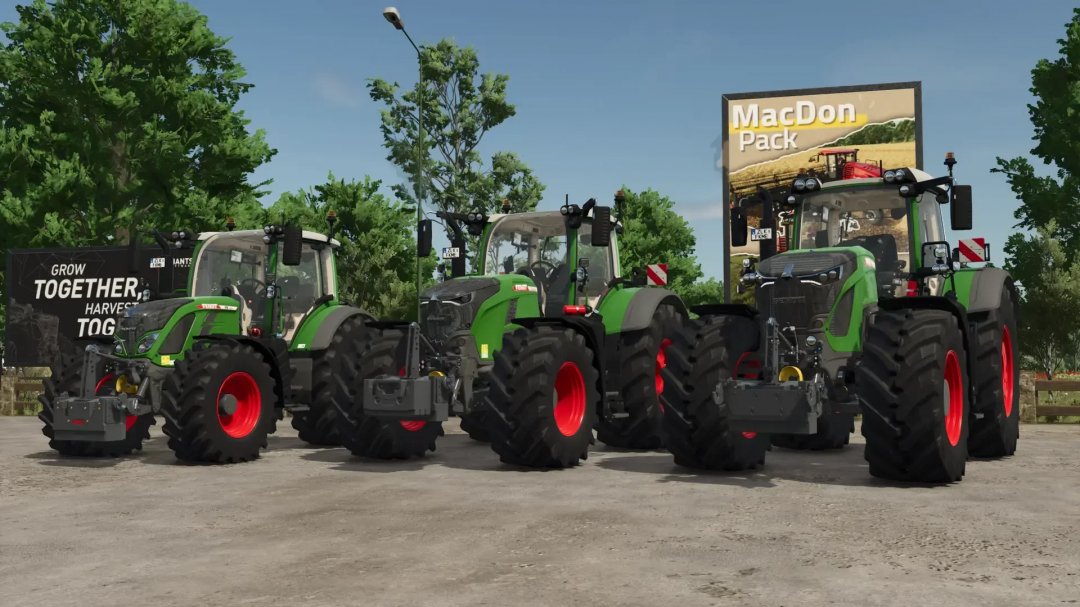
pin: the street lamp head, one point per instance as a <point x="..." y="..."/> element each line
<point x="394" y="17"/>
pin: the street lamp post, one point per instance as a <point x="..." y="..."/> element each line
<point x="394" y="17"/>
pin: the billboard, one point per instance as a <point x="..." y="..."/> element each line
<point x="57" y="296"/>
<point x="832" y="133"/>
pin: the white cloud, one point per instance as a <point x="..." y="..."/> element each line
<point x="711" y="210"/>
<point x="338" y="92"/>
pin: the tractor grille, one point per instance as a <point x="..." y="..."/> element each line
<point x="793" y="291"/>
<point x="144" y="318"/>
<point x="452" y="306"/>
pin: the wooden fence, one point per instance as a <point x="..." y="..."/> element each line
<point x="1055" y="386"/>
<point x="20" y="394"/>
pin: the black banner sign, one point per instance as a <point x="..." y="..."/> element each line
<point x="57" y="296"/>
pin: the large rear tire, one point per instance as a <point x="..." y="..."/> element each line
<point x="220" y="404"/>
<point x="996" y="347"/>
<point x="67" y="377"/>
<point x="543" y="398"/>
<point x="642" y="358"/>
<point x="696" y="427"/>
<point x="318" y="425"/>
<point x="474" y="424"/>
<point x="833" y="432"/>
<point x="913" y="387"/>
<point x="366" y="353"/>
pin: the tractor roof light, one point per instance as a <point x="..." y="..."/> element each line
<point x="890" y="176"/>
<point x="791" y="200"/>
<point x="813" y="184"/>
<point x="901" y="175"/>
<point x="266" y="239"/>
<point x="907" y="190"/>
<point x="799" y="185"/>
<point x="266" y="229"/>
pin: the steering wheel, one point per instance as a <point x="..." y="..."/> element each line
<point x="259" y="287"/>
<point x="541" y="262"/>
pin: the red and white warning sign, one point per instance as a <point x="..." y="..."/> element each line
<point x="657" y="274"/>
<point x="973" y="249"/>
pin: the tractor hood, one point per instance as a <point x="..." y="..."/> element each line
<point x="800" y="288"/>
<point x="145" y="318"/>
<point x="452" y="306"/>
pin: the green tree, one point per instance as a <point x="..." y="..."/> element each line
<point x="1050" y="205"/>
<point x="460" y="107"/>
<point x="1050" y="299"/>
<point x="377" y="261"/>
<point x="655" y="233"/>
<point x="120" y="112"/>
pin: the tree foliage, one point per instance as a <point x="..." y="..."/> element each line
<point x="460" y="107"/>
<point x="1050" y="301"/>
<point x="1050" y="206"/>
<point x="376" y="263"/>
<point x="890" y="132"/>
<point x="655" y="233"/>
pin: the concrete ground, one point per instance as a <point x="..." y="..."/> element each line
<point x="305" y="527"/>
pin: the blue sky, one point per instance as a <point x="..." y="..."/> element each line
<point x="629" y="92"/>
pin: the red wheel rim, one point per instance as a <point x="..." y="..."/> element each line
<point x="411" y="426"/>
<point x="954" y="398"/>
<point x="129" y="421"/>
<point x="749" y="434"/>
<point x="1007" y="371"/>
<point x="569" y="399"/>
<point x="248" y="405"/>
<point x="661" y="363"/>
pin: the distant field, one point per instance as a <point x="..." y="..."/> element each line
<point x="892" y="155"/>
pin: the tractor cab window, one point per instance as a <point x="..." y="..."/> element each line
<point x="601" y="265"/>
<point x="301" y="285"/>
<point x="234" y="265"/>
<point x="874" y="218"/>
<point x="533" y="245"/>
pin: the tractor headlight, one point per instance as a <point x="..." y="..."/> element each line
<point x="791" y="200"/>
<point x="890" y="176"/>
<point x="811" y="184"/>
<point x="906" y="190"/>
<point x="119" y="347"/>
<point x="901" y="175"/>
<point x="266" y="239"/>
<point x="941" y="252"/>
<point x="146" y="343"/>
<point x="811" y="341"/>
<point x="746" y="262"/>
<point x="565" y="210"/>
<point x="800" y="185"/>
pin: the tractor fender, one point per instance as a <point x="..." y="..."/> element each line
<point x="948" y="304"/>
<point x="593" y="332"/>
<point x="986" y="289"/>
<point x="330" y="323"/>
<point x="643" y="304"/>
<point x="274" y="351"/>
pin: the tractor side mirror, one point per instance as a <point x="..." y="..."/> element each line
<point x="292" y="245"/>
<point x="961" y="213"/>
<point x="738" y="227"/>
<point x="423" y="238"/>
<point x="601" y="226"/>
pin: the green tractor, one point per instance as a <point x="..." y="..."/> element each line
<point x="881" y="319"/>
<point x="546" y="342"/>
<point x="261" y="329"/>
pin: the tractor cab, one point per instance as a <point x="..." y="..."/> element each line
<point x="546" y="249"/>
<point x="246" y="267"/>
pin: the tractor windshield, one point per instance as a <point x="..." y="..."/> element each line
<point x="528" y="244"/>
<point x="233" y="260"/>
<point x="874" y="218"/>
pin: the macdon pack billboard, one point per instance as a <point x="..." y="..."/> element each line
<point x="57" y="296"/>
<point x="832" y="133"/>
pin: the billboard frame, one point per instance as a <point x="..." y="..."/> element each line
<point x="915" y="86"/>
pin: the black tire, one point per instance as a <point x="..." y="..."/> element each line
<point x="318" y="425"/>
<point x="475" y="425"/>
<point x="642" y="355"/>
<point x="363" y="352"/>
<point x="696" y="428"/>
<point x="197" y="429"/>
<point x="996" y="433"/>
<point x="543" y="398"/>
<point x="833" y="432"/>
<point x="67" y="377"/>
<point x="901" y="386"/>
